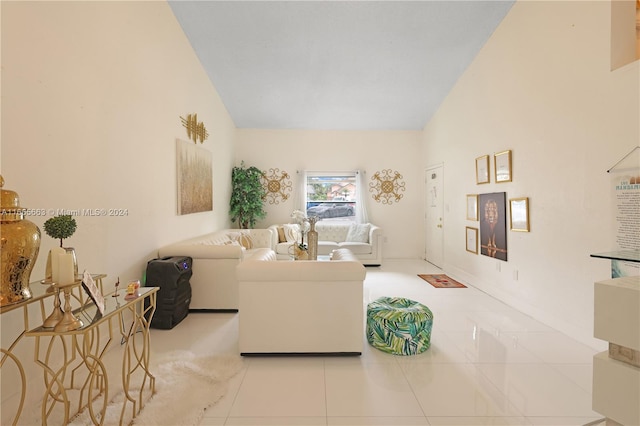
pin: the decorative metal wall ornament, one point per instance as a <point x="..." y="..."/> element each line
<point x="386" y="186"/>
<point x="195" y="131"/>
<point x="276" y="185"/>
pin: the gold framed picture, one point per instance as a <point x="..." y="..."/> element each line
<point x="472" y="206"/>
<point x="482" y="169"/>
<point x="472" y="239"/>
<point x="519" y="214"/>
<point x="502" y="166"/>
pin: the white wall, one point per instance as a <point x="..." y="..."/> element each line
<point x="92" y="94"/>
<point x="293" y="150"/>
<point x="542" y="87"/>
<point x="92" y="98"/>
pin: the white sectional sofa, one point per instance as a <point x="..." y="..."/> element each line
<point x="214" y="285"/>
<point x="333" y="235"/>
<point x="295" y="307"/>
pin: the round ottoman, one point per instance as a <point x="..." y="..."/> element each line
<point x="399" y="326"/>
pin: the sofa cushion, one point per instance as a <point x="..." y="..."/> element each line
<point x="356" y="248"/>
<point x="260" y="254"/>
<point x="283" y="248"/>
<point x="211" y="240"/>
<point x="358" y="233"/>
<point x="332" y="231"/>
<point x="291" y="232"/>
<point x="343" y="254"/>
<point x="233" y="235"/>
<point x="326" y="247"/>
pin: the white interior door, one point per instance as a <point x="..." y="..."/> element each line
<point x="434" y="223"/>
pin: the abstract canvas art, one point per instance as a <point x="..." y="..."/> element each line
<point x="195" y="178"/>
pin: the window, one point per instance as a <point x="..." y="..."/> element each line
<point x="332" y="196"/>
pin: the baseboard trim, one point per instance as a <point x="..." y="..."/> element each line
<point x="215" y="311"/>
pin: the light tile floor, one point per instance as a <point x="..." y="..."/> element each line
<point x="488" y="364"/>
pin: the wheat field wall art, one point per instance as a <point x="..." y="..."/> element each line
<point x="195" y="178"/>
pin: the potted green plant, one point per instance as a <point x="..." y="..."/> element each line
<point x="61" y="227"/>
<point x="247" y="196"/>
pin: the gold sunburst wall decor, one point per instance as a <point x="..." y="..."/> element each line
<point x="276" y="185"/>
<point x="196" y="131"/>
<point x="386" y="186"/>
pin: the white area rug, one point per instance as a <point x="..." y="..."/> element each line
<point x="186" y="385"/>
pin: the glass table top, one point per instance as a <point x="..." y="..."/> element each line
<point x="625" y="255"/>
<point x="90" y="316"/>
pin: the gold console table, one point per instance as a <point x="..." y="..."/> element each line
<point x="40" y="294"/>
<point x="82" y="369"/>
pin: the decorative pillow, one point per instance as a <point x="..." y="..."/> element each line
<point x="246" y="241"/>
<point x="291" y="232"/>
<point x="358" y="233"/>
<point x="281" y="237"/>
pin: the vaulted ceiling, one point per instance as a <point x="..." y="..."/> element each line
<point x="341" y="65"/>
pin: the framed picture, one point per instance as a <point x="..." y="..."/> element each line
<point x="482" y="169"/>
<point x="89" y="285"/>
<point x="493" y="225"/>
<point x="519" y="214"/>
<point x="194" y="178"/>
<point x="472" y="240"/>
<point x="502" y="166"/>
<point x="472" y="206"/>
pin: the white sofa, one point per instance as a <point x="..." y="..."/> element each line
<point x="295" y="307"/>
<point x="215" y="256"/>
<point x="333" y="235"/>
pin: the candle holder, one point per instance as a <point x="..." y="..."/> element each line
<point x="69" y="322"/>
<point x="57" y="314"/>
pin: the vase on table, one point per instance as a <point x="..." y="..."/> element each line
<point x="298" y="253"/>
<point x="301" y="254"/>
<point x="312" y="238"/>
<point x="20" y="246"/>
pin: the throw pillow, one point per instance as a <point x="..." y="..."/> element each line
<point x="291" y="232"/>
<point x="358" y="233"/>
<point x="281" y="237"/>
<point x="246" y="241"/>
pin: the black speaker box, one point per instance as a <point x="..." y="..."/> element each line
<point x="172" y="275"/>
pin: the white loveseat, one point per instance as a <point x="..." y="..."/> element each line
<point x="334" y="235"/>
<point x="302" y="306"/>
<point x="214" y="285"/>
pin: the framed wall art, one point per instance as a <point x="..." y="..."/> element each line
<point x="519" y="214"/>
<point x="502" y="166"/>
<point x="493" y="225"/>
<point x="472" y="206"/>
<point x="472" y="240"/>
<point x="482" y="169"/>
<point x="194" y="178"/>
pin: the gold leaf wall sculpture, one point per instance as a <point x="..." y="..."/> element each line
<point x="276" y="185"/>
<point x="386" y="186"/>
<point x="196" y="131"/>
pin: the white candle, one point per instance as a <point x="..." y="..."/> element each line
<point x="66" y="269"/>
<point x="55" y="263"/>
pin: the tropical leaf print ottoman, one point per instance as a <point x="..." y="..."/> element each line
<point x="399" y="326"/>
